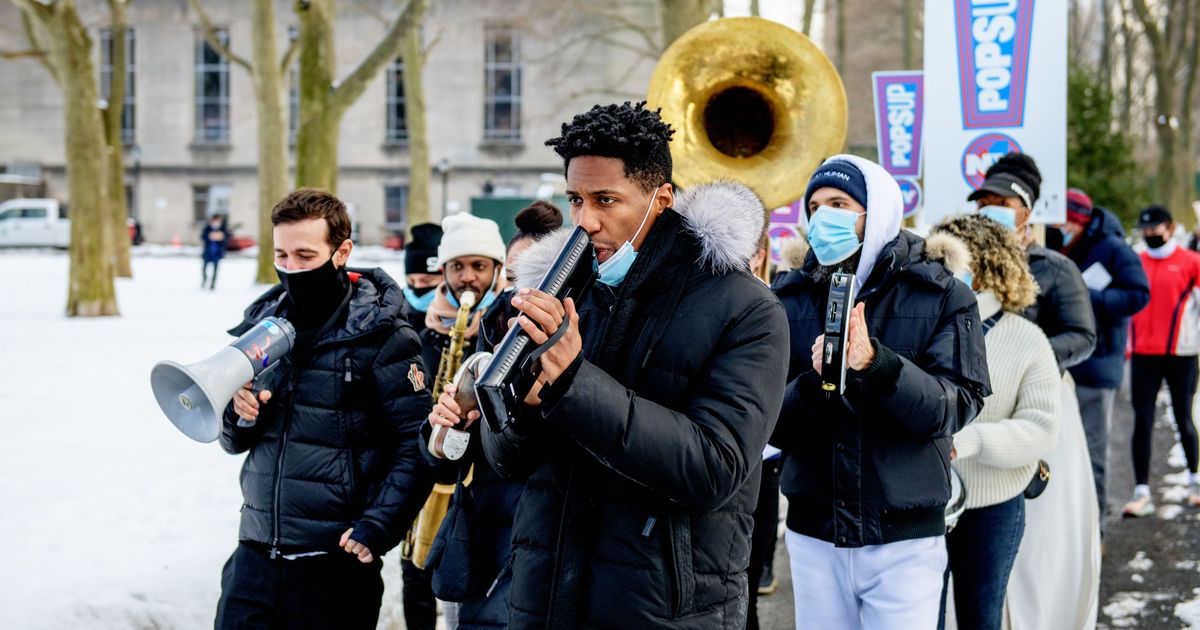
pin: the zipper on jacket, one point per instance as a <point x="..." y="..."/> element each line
<point x="348" y="378"/>
<point x="287" y="421"/>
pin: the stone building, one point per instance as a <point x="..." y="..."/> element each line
<point x="500" y="77"/>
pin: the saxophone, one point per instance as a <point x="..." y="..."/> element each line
<point x="424" y="530"/>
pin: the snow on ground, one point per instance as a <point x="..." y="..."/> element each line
<point x="112" y="518"/>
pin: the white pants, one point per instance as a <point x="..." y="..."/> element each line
<point x="895" y="586"/>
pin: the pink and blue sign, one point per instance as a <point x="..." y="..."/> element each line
<point x="993" y="39"/>
<point x="982" y="152"/>
<point x="899" y="105"/>
<point x="910" y="192"/>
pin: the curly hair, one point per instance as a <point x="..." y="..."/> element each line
<point x="631" y="133"/>
<point x="998" y="261"/>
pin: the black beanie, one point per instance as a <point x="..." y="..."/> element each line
<point x="841" y="175"/>
<point x="420" y="254"/>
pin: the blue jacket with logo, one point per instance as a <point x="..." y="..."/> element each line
<point x="1103" y="243"/>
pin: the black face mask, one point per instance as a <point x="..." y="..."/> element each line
<point x="1154" y="241"/>
<point x="422" y="291"/>
<point x="313" y="290"/>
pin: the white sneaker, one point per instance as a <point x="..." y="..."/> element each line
<point x="1139" y="506"/>
<point x="1193" y="499"/>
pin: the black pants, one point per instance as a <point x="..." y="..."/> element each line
<point x="328" y="591"/>
<point x="765" y="535"/>
<point x="420" y="609"/>
<point x="1146" y="374"/>
<point x="204" y="275"/>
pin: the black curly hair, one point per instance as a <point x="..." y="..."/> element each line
<point x="631" y="133"/>
<point x="1023" y="168"/>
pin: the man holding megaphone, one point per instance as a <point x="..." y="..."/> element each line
<point x="333" y="476"/>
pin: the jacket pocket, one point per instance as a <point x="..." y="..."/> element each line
<point x="680" y="571"/>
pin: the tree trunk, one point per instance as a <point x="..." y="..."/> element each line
<point x="810" y="6"/>
<point x="1128" y="51"/>
<point x="908" y="24"/>
<point x="68" y="57"/>
<point x="114" y="114"/>
<point x="272" y="131"/>
<point x="418" y="135"/>
<point x="322" y="103"/>
<point x="317" y="133"/>
<point x="840" y="42"/>
<point x="754" y="10"/>
<point x="680" y="16"/>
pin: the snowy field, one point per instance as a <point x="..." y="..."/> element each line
<point x="111" y="517"/>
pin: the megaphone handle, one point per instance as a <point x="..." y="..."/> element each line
<point x="256" y="387"/>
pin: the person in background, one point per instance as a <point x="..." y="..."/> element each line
<point x="216" y="239"/>
<point x="1094" y="240"/>
<point x="997" y="454"/>
<point x="1165" y="340"/>
<point x="421" y="272"/>
<point x="493" y="498"/>
<point x="1055" y="580"/>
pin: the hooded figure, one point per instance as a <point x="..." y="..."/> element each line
<point x="866" y="473"/>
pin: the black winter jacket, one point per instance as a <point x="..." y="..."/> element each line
<point x="1063" y="309"/>
<point x="335" y="447"/>
<point x="644" y="461"/>
<point x="494" y="500"/>
<point x="873" y="466"/>
<point x="1103" y="243"/>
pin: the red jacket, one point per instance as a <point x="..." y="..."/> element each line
<point x="1169" y="324"/>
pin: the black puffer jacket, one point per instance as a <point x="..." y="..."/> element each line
<point x="646" y="456"/>
<point x="1064" y="306"/>
<point x="872" y="467"/>
<point x="336" y="446"/>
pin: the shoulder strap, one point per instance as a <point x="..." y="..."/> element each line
<point x="991" y="321"/>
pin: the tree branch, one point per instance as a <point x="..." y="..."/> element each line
<point x="648" y="35"/>
<point x="289" y="55"/>
<point x="385" y="52"/>
<point x="210" y="35"/>
<point x="30" y="10"/>
<point x="22" y="54"/>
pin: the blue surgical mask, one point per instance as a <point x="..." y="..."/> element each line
<point x="613" y="270"/>
<point x="1066" y="236"/>
<point x="968" y="278"/>
<point x="419" y="301"/>
<point x="831" y="234"/>
<point x="1001" y="214"/>
<point x="488" y="297"/>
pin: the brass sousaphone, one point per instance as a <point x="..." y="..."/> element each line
<point x="752" y="101"/>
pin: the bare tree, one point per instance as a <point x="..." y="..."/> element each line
<point x="680" y="16"/>
<point x="1173" y="32"/>
<point x="56" y="31"/>
<point x="266" y="71"/>
<point x="414" y="118"/>
<point x="114" y="110"/>
<point x="810" y="7"/>
<point x="324" y="101"/>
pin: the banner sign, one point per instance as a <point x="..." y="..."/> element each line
<point x="997" y="83"/>
<point x="910" y="191"/>
<point x="898" y="109"/>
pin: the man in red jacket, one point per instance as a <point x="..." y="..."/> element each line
<point x="1165" y="339"/>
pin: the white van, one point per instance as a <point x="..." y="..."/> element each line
<point x="34" y="223"/>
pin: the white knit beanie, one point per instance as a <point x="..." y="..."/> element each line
<point x="468" y="235"/>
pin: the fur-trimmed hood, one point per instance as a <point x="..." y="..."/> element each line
<point x="948" y="250"/>
<point x="726" y="218"/>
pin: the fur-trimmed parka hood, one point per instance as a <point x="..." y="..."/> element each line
<point x="726" y="218"/>
<point x="948" y="250"/>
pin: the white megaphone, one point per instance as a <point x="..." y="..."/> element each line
<point x="194" y="396"/>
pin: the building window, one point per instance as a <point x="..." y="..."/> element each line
<point x="127" y="111"/>
<point x="208" y="200"/>
<point x="212" y="91"/>
<point x="397" y="121"/>
<point x="293" y="89"/>
<point x="395" y="206"/>
<point x="502" y="85"/>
